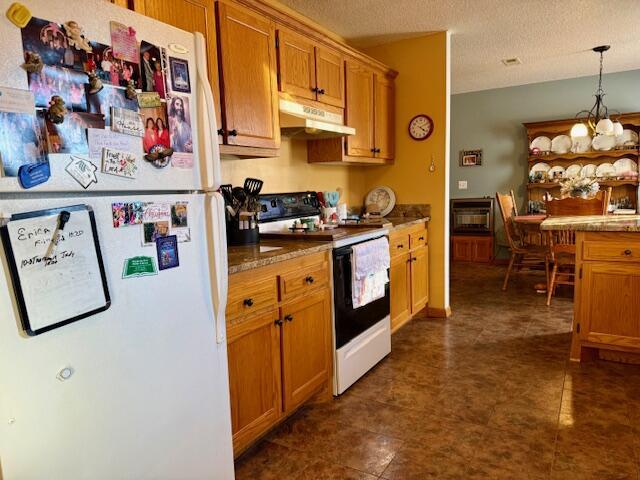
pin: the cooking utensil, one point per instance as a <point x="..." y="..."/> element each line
<point x="227" y="193"/>
<point x="321" y="200"/>
<point x="253" y="186"/>
<point x="240" y="197"/>
<point x="331" y="198"/>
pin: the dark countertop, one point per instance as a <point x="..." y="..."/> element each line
<point x="247" y="257"/>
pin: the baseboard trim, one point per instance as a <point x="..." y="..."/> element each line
<point x="434" y="312"/>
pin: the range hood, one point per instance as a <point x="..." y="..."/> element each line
<point x="301" y="121"/>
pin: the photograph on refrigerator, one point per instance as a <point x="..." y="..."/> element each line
<point x="52" y="44"/>
<point x="179" y="75"/>
<point x="108" y="97"/>
<point x="21" y="142"/>
<point x="156" y="131"/>
<point x="66" y="83"/>
<point x="70" y="136"/>
<point x="152" y="69"/>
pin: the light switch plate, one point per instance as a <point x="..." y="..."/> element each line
<point x="462" y="184"/>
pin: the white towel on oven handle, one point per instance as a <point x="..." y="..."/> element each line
<point x="369" y="264"/>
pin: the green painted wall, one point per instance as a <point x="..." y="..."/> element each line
<point x="492" y="120"/>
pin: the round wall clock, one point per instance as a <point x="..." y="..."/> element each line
<point x="421" y="127"/>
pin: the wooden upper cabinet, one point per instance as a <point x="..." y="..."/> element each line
<point x="191" y="16"/>
<point x="296" y="64"/>
<point x="247" y="42"/>
<point x="305" y="347"/>
<point x="384" y="117"/>
<point x="308" y="70"/>
<point x="330" y="77"/>
<point x="359" y="112"/>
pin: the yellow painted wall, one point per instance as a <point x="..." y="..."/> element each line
<point x="290" y="172"/>
<point x="421" y="87"/>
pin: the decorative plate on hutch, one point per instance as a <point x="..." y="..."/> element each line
<point x="573" y="171"/>
<point x="581" y="144"/>
<point x="542" y="143"/>
<point x="561" y="144"/>
<point x="588" y="171"/>
<point x="605" y="170"/>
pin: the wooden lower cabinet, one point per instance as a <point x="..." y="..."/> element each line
<point x="253" y="350"/>
<point x="305" y="336"/>
<point x="466" y="248"/>
<point x="419" y="279"/>
<point x="408" y="273"/>
<point x="607" y="303"/>
<point x="279" y="343"/>
<point x="399" y="285"/>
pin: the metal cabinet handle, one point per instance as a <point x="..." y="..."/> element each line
<point x="232" y="133"/>
<point x="314" y="89"/>
<point x="320" y="91"/>
<point x="248" y="302"/>
<point x="628" y="252"/>
<point x="420" y="238"/>
<point x="288" y="318"/>
<point x="221" y="131"/>
<point x="309" y="279"/>
<point x="400" y="245"/>
<point x="376" y="150"/>
<point x="373" y="150"/>
<point x="278" y="322"/>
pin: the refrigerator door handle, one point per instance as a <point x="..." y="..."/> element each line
<point x="218" y="264"/>
<point x="211" y="159"/>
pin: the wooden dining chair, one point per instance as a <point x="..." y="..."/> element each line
<point x="522" y="254"/>
<point x="562" y="243"/>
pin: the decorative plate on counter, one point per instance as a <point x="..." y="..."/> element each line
<point x="542" y="143"/>
<point x="605" y="170"/>
<point x="628" y="137"/>
<point x="625" y="165"/>
<point x="581" y="144"/>
<point x="561" y="144"/>
<point x="603" y="142"/>
<point x="588" y="171"/>
<point x="383" y="197"/>
<point x="573" y="171"/>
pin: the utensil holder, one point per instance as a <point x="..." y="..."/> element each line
<point x="236" y="237"/>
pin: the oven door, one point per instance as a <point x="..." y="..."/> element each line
<point x="350" y="322"/>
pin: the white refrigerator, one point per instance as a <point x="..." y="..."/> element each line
<point x="148" y="397"/>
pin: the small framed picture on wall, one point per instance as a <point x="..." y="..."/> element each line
<point x="470" y="158"/>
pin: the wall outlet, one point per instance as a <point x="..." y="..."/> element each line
<point x="462" y="184"/>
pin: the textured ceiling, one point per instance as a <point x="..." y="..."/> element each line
<point x="553" y="38"/>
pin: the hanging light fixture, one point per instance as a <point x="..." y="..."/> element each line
<point x="597" y="119"/>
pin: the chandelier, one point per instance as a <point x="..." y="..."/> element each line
<point x="597" y="118"/>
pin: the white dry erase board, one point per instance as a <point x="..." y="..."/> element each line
<point x="67" y="285"/>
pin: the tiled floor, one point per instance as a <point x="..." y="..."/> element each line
<point x="486" y="394"/>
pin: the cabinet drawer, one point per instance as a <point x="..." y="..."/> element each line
<point x="627" y="251"/>
<point x="307" y="279"/>
<point x="246" y="298"/>
<point x="418" y="239"/>
<point x="399" y="244"/>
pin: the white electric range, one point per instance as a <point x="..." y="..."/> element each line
<point x="361" y="336"/>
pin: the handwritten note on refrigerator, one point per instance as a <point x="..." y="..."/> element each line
<point x="61" y="285"/>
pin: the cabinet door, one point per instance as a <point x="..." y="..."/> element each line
<point x="384" y="117"/>
<point x="462" y="249"/>
<point x="330" y="77"/>
<point x="192" y="16"/>
<point x="419" y="279"/>
<point x="610" y="304"/>
<point x="359" y="111"/>
<point x="306" y="347"/>
<point x="296" y="64"/>
<point x="483" y="249"/>
<point x="399" y="282"/>
<point x="254" y="377"/>
<point x="248" y="77"/>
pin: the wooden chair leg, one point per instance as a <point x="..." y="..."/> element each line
<point x="551" y="286"/>
<point x="506" y="277"/>
<point x="546" y="270"/>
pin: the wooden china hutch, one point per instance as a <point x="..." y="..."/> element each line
<point x="624" y="191"/>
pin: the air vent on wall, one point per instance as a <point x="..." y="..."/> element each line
<point x="510" y="62"/>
